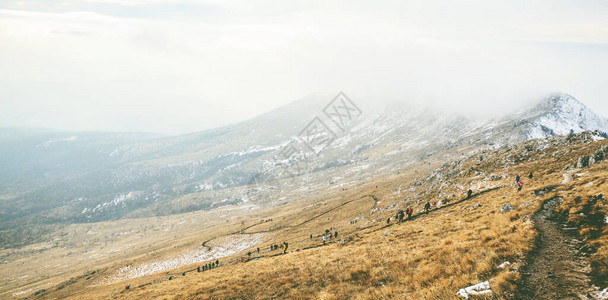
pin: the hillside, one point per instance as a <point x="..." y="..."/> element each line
<point x="460" y="242"/>
<point x="141" y="207"/>
<point x="94" y="177"/>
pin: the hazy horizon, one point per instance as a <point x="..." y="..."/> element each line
<point x="172" y="67"/>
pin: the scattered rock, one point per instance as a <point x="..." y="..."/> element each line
<point x="603" y="294"/>
<point x="386" y="233"/>
<point x="495" y="177"/>
<point x="583" y="161"/>
<point x="527" y="203"/>
<point x="567" y="178"/>
<point x="505" y="208"/>
<point x="38" y="292"/>
<point x="599" y="156"/>
<point x="543" y="191"/>
<point x="504" y="264"/>
<point x="482" y="288"/>
<point x="475" y="206"/>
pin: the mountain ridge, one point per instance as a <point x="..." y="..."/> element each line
<point x="213" y="168"/>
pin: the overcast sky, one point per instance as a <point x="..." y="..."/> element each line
<point x="175" y="66"/>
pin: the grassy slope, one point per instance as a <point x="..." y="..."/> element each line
<point x="431" y="256"/>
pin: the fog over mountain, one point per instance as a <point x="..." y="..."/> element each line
<point x="174" y="66"/>
<point x="257" y="149"/>
<point x="55" y="177"/>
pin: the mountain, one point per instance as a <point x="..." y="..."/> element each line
<point x="68" y="177"/>
<point x="562" y="114"/>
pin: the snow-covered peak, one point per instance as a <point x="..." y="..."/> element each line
<point x="561" y="114"/>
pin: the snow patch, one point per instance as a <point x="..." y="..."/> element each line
<point x="115" y="202"/>
<point x="22" y="292"/>
<point x="482" y="288"/>
<point x="57" y="140"/>
<point x="228" y="246"/>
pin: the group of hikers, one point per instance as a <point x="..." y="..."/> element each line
<point x="520" y="184"/>
<point x="249" y="252"/>
<point x="208" y="266"/>
<point x="400" y="216"/>
<point x="282" y="246"/>
<point x="328" y="235"/>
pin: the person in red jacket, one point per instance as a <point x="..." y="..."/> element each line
<point x="520" y="185"/>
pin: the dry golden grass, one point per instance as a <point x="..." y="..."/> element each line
<point x="430" y="256"/>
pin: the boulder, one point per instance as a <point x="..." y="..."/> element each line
<point x="599" y="156"/>
<point x="505" y="208"/>
<point x="583" y="161"/>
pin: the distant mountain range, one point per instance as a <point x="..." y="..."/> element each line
<point x="58" y="177"/>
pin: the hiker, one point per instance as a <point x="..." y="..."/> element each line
<point x="258" y="249"/>
<point x="531" y="175"/>
<point x="427" y="206"/>
<point x="217" y="262"/>
<point x="410" y="211"/>
<point x="388" y="221"/>
<point x="127" y="287"/>
<point x="311" y="236"/>
<point x="324" y="239"/>
<point x="285" y="246"/>
<point x="198" y="269"/>
<point x="519" y="185"/>
<point x="400" y="216"/>
<point x="330" y="236"/>
<point x="516" y="178"/>
<point x="249" y="253"/>
<point x="336" y="234"/>
<point x="469" y="193"/>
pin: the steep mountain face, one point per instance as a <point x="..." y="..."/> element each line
<point x="74" y="177"/>
<point x="562" y="114"/>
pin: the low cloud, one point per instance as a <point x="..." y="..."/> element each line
<point x="99" y="65"/>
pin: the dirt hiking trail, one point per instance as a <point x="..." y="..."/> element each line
<point x="557" y="269"/>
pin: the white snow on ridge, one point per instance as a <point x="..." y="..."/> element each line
<point x="57" y="140"/>
<point x="116" y="201"/>
<point x="565" y="114"/>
